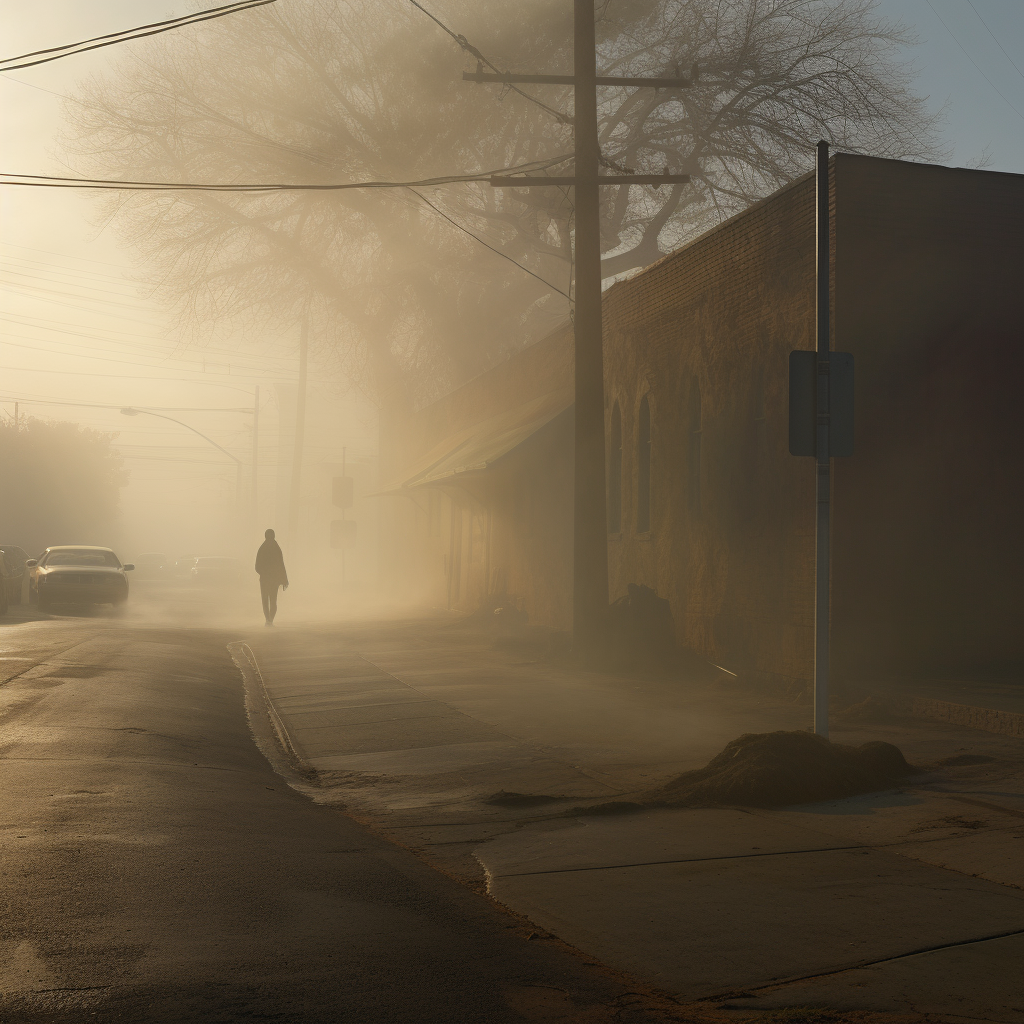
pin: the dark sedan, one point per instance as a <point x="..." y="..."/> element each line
<point x="72" y="574"/>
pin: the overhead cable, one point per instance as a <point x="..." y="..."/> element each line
<point x="28" y="60"/>
<point x="55" y="181"/>
<point x="487" y="245"/>
<point x="141" y="408"/>
<point x="469" y="48"/>
<point x="977" y="66"/>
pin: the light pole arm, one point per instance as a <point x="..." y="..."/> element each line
<point x="159" y="415"/>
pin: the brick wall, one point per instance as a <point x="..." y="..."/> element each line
<point x="928" y="558"/>
<point x="705" y="334"/>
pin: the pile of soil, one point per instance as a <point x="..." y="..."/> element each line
<point x="773" y="769"/>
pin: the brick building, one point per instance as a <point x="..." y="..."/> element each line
<point x="705" y="503"/>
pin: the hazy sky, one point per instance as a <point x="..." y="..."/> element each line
<point x="73" y="328"/>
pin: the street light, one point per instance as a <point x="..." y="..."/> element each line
<point x="130" y="411"/>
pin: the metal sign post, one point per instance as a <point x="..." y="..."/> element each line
<point x="821" y="425"/>
<point x="823" y="476"/>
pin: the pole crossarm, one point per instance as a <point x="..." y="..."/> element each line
<point x="511" y="79"/>
<point x="503" y="181"/>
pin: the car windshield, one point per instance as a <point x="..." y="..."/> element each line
<point x="82" y="556"/>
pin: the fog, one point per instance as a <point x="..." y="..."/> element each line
<point x="182" y="304"/>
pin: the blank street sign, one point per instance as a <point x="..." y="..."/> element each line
<point x="803" y="411"/>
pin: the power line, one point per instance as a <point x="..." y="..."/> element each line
<point x="56" y="181"/>
<point x="126" y="35"/>
<point x="65" y="255"/>
<point x="90" y="286"/>
<point x="488" y="245"/>
<point x="466" y="45"/>
<point x="974" y="62"/>
<point x="132" y="376"/>
<point x="995" y="38"/>
<point x="267" y="374"/>
<point x="469" y="48"/>
<point x="95" y="405"/>
<point x="60" y="327"/>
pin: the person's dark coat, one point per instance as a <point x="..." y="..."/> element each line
<point x="270" y="564"/>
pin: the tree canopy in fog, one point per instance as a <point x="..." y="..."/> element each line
<point x="62" y="484"/>
<point x="318" y="91"/>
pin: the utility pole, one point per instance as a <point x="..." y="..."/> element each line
<point x="255" y="456"/>
<point x="344" y="474"/>
<point x="300" y="432"/>
<point x="590" y="535"/>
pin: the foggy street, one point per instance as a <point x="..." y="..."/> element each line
<point x="157" y="869"/>
<point x="510" y="513"/>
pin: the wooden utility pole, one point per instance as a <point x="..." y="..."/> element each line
<point x="300" y="435"/>
<point x="590" y="537"/>
<point x="255" y="456"/>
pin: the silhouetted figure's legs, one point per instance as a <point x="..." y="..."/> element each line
<point x="268" y="591"/>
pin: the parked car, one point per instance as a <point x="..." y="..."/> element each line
<point x="216" y="570"/>
<point x="153" y="565"/>
<point x="77" y="574"/>
<point x="183" y="566"/>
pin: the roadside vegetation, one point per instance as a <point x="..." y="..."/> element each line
<point x="59" y="484"/>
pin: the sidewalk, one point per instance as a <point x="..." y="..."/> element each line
<point x="909" y="901"/>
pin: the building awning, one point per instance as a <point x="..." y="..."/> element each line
<point x="478" y="448"/>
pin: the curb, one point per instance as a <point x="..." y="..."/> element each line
<point x="1007" y="723"/>
<point x="241" y="654"/>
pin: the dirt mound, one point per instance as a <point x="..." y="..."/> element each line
<point x="773" y="769"/>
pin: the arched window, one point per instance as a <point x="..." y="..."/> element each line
<point x="643" y="468"/>
<point x="693" y="469"/>
<point x="615" y="472"/>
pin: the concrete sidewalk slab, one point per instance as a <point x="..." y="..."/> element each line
<point x="710" y="928"/>
<point x="653" y="837"/>
<point x="847" y="895"/>
<point x="962" y="984"/>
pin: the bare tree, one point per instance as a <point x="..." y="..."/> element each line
<point x="319" y="91"/>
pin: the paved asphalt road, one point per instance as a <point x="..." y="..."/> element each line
<point x="156" y="868"/>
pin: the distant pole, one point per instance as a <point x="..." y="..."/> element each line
<point x="255" y="455"/>
<point x="300" y="431"/>
<point x="343" y="475"/>
<point x="590" y="534"/>
<point x="823" y="475"/>
<point x="16" y="426"/>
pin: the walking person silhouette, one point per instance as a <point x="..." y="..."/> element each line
<point x="270" y="566"/>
